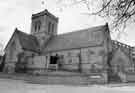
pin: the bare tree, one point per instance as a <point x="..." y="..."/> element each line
<point x="120" y="13"/>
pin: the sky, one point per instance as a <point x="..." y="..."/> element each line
<point x="17" y="13"/>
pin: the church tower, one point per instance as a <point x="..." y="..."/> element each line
<point x="44" y="26"/>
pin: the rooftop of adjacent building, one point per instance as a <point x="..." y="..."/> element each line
<point x="115" y="42"/>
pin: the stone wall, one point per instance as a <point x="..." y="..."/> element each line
<point x="93" y="57"/>
<point x="121" y="61"/>
<point x="86" y="57"/>
<point x="124" y="47"/>
<point x="68" y="58"/>
<point x="37" y="64"/>
<point x="12" y="51"/>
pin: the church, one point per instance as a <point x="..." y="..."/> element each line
<point x="89" y="50"/>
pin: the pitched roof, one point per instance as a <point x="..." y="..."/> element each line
<point x="27" y="41"/>
<point x="72" y="40"/>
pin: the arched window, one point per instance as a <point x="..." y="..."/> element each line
<point x="49" y="27"/>
<point x="52" y="28"/>
<point x="37" y="26"/>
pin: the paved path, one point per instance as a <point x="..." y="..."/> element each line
<point x="19" y="86"/>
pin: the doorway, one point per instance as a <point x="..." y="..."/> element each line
<point x="54" y="62"/>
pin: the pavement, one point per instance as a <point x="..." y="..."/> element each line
<point x="20" y="86"/>
<point x="57" y="80"/>
<point x="45" y="79"/>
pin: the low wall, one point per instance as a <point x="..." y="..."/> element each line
<point x="130" y="77"/>
<point x="98" y="77"/>
<point x="9" y="67"/>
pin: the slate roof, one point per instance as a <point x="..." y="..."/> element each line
<point x="27" y="41"/>
<point x="72" y="40"/>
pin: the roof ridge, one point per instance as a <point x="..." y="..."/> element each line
<point x="26" y="39"/>
<point x="28" y="35"/>
<point x="81" y="30"/>
<point x="19" y="31"/>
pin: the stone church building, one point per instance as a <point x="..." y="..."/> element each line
<point x="88" y="50"/>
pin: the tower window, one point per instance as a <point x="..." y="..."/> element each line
<point x="52" y="28"/>
<point x="49" y="27"/>
<point x="37" y="26"/>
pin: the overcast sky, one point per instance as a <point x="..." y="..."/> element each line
<point x="17" y="13"/>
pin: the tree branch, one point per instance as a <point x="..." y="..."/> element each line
<point x="102" y="8"/>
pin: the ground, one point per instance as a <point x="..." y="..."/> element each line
<point x="20" y="86"/>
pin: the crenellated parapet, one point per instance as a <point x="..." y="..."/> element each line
<point x="118" y="44"/>
<point x="124" y="47"/>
